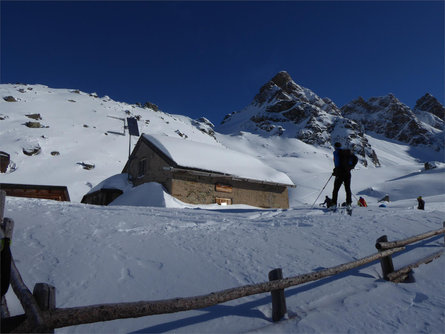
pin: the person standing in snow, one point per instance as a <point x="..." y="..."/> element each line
<point x="420" y="203"/>
<point x="362" y="202"/>
<point x="344" y="161"/>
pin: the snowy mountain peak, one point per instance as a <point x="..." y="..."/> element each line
<point x="430" y="104"/>
<point x="284" y="108"/>
<point x="389" y="117"/>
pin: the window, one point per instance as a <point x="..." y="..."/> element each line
<point x="142" y="167"/>
<point x="223" y="201"/>
<point x="225" y="188"/>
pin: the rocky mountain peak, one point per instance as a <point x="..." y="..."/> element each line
<point x="387" y="116"/>
<point x="284" y="108"/>
<point x="283" y="80"/>
<point x="429" y="103"/>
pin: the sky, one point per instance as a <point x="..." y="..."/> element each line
<point x="211" y="58"/>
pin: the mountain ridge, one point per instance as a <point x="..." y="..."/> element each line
<point x="282" y="107"/>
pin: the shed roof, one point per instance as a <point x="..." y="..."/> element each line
<point x="215" y="158"/>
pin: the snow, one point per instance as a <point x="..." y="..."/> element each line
<point x="214" y="158"/>
<point x="149" y="246"/>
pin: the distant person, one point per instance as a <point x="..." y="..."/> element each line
<point x="420" y="203"/>
<point x="362" y="202"/>
<point x="344" y="162"/>
<point x="327" y="202"/>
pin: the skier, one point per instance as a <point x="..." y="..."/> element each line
<point x="327" y="202"/>
<point x="344" y="161"/>
<point x="420" y="203"/>
<point x="361" y="202"/>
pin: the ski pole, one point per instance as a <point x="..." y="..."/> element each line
<point x="321" y="191"/>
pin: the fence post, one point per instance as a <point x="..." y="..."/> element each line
<point x="386" y="262"/>
<point x="278" y="300"/>
<point x="444" y="233"/>
<point x="45" y="296"/>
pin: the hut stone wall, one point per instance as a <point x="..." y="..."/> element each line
<point x="209" y="190"/>
<point x="147" y="165"/>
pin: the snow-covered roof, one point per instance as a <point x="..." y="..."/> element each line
<point x="215" y="158"/>
<point x="118" y="181"/>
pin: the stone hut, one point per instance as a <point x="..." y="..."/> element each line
<point x="200" y="173"/>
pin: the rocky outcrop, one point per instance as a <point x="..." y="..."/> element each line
<point x="391" y="118"/>
<point x="32" y="149"/>
<point x="285" y="108"/>
<point x="205" y="126"/>
<point x="9" y="99"/>
<point x="430" y="111"/>
<point x="429" y="103"/>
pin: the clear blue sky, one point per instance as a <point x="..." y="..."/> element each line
<point x="210" y="58"/>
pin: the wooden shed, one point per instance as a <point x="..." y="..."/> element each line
<point x="57" y="193"/>
<point x="107" y="191"/>
<point x="200" y="173"/>
<point x="4" y="161"/>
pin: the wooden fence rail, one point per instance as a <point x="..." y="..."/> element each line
<point x="402" y="274"/>
<point x="63" y="317"/>
<point x="400" y="243"/>
<point x="41" y="315"/>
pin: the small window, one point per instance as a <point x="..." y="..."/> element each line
<point x="225" y="188"/>
<point x="223" y="201"/>
<point x="142" y="167"/>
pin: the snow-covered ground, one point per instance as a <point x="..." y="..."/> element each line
<point x="98" y="254"/>
<point x="150" y="246"/>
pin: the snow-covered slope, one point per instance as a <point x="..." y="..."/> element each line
<point x="71" y="131"/>
<point x="148" y="246"/>
<point x="94" y="254"/>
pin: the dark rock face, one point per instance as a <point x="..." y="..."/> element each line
<point x="284" y="108"/>
<point x="205" y="126"/>
<point x="391" y="118"/>
<point x="151" y="106"/>
<point x="430" y="104"/>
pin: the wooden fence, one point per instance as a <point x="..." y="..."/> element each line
<point x="41" y="314"/>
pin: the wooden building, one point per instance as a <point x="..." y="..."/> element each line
<point x="199" y="173"/>
<point x="107" y="191"/>
<point x="4" y="161"/>
<point x="57" y="193"/>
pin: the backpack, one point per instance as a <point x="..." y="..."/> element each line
<point x="348" y="160"/>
